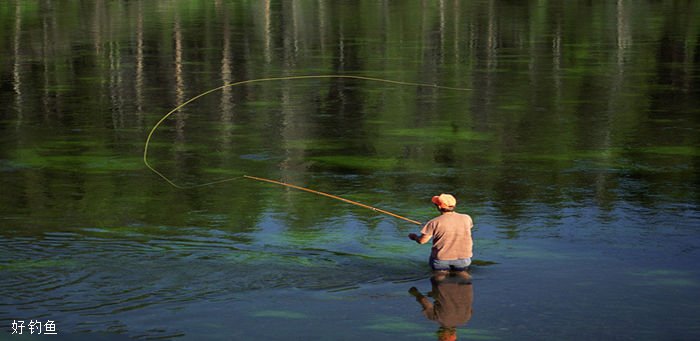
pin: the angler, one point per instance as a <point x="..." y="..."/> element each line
<point x="452" y="238"/>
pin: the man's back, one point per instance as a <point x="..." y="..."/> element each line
<point x="452" y="238"/>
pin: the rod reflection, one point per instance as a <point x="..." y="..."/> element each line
<point x="451" y="304"/>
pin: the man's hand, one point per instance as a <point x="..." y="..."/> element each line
<point x="422" y="239"/>
<point x="414" y="291"/>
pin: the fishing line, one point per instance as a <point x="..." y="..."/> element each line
<point x="333" y="197"/>
<point x="270" y="79"/>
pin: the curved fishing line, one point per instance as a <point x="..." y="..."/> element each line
<point x="269" y="79"/>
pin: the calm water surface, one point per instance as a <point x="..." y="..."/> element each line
<point x="575" y="149"/>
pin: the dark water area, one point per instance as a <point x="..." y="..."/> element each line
<point x="570" y="135"/>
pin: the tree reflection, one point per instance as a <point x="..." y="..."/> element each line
<point x="563" y="97"/>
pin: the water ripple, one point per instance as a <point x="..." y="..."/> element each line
<point x="100" y="276"/>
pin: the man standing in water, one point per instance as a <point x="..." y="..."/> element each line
<point x="452" y="238"/>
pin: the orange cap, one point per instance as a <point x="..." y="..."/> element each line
<point x="444" y="201"/>
<point x="447" y="334"/>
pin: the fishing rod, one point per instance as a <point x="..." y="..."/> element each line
<point x="269" y="79"/>
<point x="333" y="197"/>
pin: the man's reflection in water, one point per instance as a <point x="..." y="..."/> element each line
<point x="453" y="297"/>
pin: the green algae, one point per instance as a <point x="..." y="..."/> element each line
<point x="667" y="278"/>
<point x="690" y="151"/>
<point x="280" y="314"/>
<point x="313" y="144"/>
<point x="223" y="171"/>
<point x="394" y="324"/>
<point x="358" y="162"/>
<point x="477" y="334"/>
<point x="91" y="162"/>
<point x="439" y="134"/>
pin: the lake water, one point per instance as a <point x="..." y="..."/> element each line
<point x="573" y="141"/>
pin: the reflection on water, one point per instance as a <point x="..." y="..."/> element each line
<point x="451" y="307"/>
<point x="578" y="141"/>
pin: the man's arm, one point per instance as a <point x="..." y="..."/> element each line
<point x="422" y="239"/>
<point x="424" y="301"/>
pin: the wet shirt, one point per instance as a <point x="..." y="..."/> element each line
<point x="452" y="236"/>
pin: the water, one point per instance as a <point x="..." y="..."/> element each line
<point x="575" y="150"/>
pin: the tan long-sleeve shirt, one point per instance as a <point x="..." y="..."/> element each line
<point x="452" y="236"/>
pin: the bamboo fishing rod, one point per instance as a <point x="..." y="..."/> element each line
<point x="333" y="197"/>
